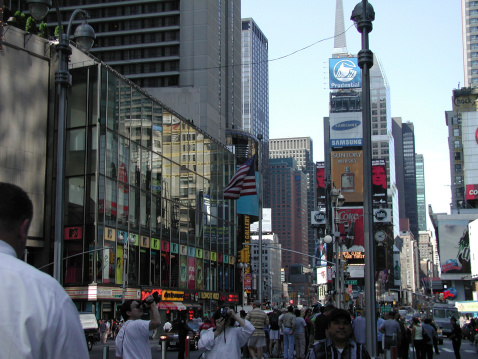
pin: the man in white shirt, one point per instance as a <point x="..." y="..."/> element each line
<point x="39" y="320"/>
<point x="132" y="341"/>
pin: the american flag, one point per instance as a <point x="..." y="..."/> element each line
<point x="243" y="183"/>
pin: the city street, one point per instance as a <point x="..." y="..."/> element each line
<point x="446" y="350"/>
<point x="98" y="348"/>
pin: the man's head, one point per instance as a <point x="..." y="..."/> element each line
<point x="340" y="327"/>
<point x="256" y="304"/>
<point x="16" y="213"/>
<point x="130" y="309"/>
<point x="290" y="309"/>
<point x="328" y="309"/>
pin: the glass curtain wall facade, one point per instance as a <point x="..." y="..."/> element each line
<point x="135" y="170"/>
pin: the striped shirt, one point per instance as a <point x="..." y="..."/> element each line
<point x="259" y="320"/>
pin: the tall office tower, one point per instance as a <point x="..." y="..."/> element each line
<point x="409" y="176"/>
<point x="289" y="209"/>
<point x="421" y="199"/>
<point x="301" y="149"/>
<point x="191" y="47"/>
<point x="383" y="142"/>
<point x="469" y="21"/>
<point x="455" y="145"/>
<point x="255" y="93"/>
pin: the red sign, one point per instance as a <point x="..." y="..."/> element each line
<point x="234" y="298"/>
<point x="347" y="216"/>
<point x="72" y="233"/>
<point x="471" y="191"/>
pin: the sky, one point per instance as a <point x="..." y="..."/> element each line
<point x="419" y="45"/>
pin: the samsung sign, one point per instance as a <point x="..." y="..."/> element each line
<point x="346" y="129"/>
<point x="344" y="73"/>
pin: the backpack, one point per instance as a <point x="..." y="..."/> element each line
<point x="274" y="321"/>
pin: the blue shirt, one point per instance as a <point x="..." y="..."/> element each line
<point x="379" y="334"/>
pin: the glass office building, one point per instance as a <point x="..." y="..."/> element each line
<point x="143" y="188"/>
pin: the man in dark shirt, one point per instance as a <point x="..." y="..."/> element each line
<point x="339" y="344"/>
<point x="455" y="337"/>
<point x="322" y="323"/>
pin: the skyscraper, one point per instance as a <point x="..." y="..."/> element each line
<point x="301" y="150"/>
<point x="421" y="199"/>
<point x="190" y="47"/>
<point x="409" y="174"/>
<point x="469" y="18"/>
<point x="255" y="93"/>
<point x="289" y="209"/>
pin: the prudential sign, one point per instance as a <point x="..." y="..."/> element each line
<point x="344" y="73"/>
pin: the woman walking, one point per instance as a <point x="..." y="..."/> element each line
<point x="417" y="339"/>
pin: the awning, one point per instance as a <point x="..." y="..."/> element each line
<point x="180" y="306"/>
<point x="167" y="306"/>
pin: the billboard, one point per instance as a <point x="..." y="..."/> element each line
<point x="454" y="246"/>
<point x="320" y="183"/>
<point x="379" y="182"/>
<point x="346" y="129"/>
<point x="473" y="234"/>
<point x="344" y="73"/>
<point x="347" y="170"/>
<point x="321" y="275"/>
<point x="320" y="252"/>
<point x="318" y="217"/>
<point x="382" y="215"/>
<point x="350" y="225"/>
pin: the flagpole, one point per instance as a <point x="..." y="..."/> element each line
<point x="259" y="169"/>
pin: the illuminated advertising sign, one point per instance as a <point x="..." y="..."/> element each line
<point x="350" y="225"/>
<point x="322" y="275"/>
<point x="344" y="73"/>
<point x="320" y="183"/>
<point x="346" y="129"/>
<point x="454" y="246"/>
<point x="347" y="170"/>
<point x="379" y="182"/>
<point x="471" y="192"/>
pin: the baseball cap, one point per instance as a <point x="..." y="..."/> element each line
<point x="340" y="313"/>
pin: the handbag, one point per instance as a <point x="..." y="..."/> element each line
<point x="425" y="336"/>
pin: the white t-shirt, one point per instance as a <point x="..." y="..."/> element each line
<point x="38" y="318"/>
<point x="227" y="344"/>
<point x="132" y="341"/>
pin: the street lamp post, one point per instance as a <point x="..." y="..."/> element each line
<point x="85" y="37"/>
<point x="363" y="15"/>
<point x="337" y="200"/>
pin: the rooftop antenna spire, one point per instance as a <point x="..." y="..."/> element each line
<point x="340" y="43"/>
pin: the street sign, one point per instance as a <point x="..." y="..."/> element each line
<point x="351" y="281"/>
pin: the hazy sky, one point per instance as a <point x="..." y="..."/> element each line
<point x="419" y="44"/>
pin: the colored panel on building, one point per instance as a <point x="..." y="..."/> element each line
<point x="110" y="234"/>
<point x="73" y="233"/>
<point x="155" y="243"/>
<point x="199" y="274"/>
<point x="191" y="273"/>
<point x="145" y="242"/>
<point x="119" y="265"/>
<point x="183" y="272"/>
